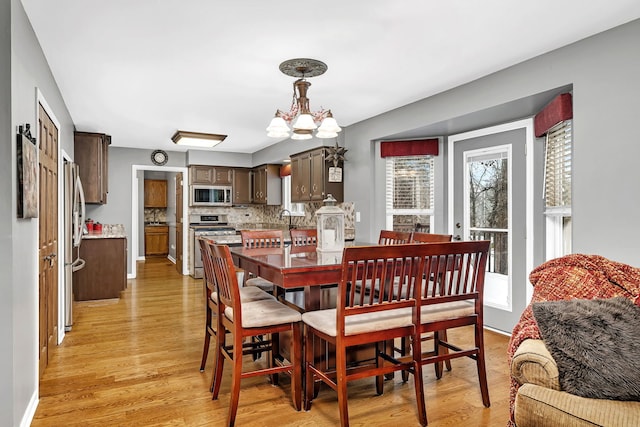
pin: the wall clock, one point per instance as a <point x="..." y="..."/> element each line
<point x="159" y="157"/>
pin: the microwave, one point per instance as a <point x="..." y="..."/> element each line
<point x="210" y="195"/>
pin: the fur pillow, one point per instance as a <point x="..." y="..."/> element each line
<point x="595" y="345"/>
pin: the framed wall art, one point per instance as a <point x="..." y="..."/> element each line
<point x="27" y="156"/>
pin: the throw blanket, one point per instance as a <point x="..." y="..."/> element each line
<point x="570" y="277"/>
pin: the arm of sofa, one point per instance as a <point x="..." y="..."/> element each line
<point x="532" y="363"/>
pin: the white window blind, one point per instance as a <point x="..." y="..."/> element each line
<point x="409" y="191"/>
<point x="557" y="174"/>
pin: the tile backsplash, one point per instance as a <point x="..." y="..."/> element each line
<point x="271" y="215"/>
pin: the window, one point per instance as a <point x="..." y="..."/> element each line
<point x="557" y="189"/>
<point x="296" y="209"/>
<point x="409" y="193"/>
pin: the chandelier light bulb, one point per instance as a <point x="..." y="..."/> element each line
<point x="304" y="121"/>
<point x="301" y="136"/>
<point x="329" y="124"/>
<point x="278" y="125"/>
<point x="325" y="135"/>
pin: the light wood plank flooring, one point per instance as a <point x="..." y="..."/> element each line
<point x="135" y="362"/>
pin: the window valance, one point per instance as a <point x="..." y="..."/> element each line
<point x="417" y="147"/>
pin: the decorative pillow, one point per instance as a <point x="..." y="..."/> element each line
<point x="595" y="345"/>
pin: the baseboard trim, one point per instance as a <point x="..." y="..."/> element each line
<point x="30" y="412"/>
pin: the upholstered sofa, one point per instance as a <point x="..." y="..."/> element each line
<point x="537" y="397"/>
<point x="540" y="402"/>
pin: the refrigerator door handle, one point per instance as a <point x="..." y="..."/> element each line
<point x="78" y="217"/>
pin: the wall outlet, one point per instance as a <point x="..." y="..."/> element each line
<point x="357" y="216"/>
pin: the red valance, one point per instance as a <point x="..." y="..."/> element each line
<point x="285" y="170"/>
<point x="417" y="147"/>
<point x="558" y="110"/>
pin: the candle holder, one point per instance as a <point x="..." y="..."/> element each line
<point x="330" y="225"/>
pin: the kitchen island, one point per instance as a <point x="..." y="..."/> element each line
<point x="105" y="272"/>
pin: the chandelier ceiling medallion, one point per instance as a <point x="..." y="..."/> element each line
<point x="302" y="119"/>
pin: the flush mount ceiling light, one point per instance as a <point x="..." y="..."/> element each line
<point x="303" y="121"/>
<point x="197" y="139"/>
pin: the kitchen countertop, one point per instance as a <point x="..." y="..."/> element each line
<point x="105" y="235"/>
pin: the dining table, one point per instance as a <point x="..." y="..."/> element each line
<point x="302" y="268"/>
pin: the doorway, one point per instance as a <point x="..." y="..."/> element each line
<point x="137" y="193"/>
<point x="489" y="199"/>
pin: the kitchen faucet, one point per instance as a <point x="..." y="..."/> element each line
<point x="281" y="216"/>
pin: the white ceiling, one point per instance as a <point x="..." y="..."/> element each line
<point x="139" y="70"/>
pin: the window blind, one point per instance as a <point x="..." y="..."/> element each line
<point x="409" y="184"/>
<point x="557" y="174"/>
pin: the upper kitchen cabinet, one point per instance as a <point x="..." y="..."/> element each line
<point x="155" y="193"/>
<point x="241" y="186"/>
<point x="266" y="185"/>
<point x="201" y="174"/>
<point x="92" y="156"/>
<point x="310" y="178"/>
<point x="210" y="175"/>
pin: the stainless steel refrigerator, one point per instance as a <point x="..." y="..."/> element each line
<point x="74" y="212"/>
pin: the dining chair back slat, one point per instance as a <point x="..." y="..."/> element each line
<point x="262" y="238"/>
<point x="304" y="236"/>
<point x="389" y="237"/>
<point x="418" y="237"/>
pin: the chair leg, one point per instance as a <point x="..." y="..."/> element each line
<point x="417" y="379"/>
<point x="341" y="385"/>
<point x="308" y="361"/>
<point x="296" y="361"/>
<point x="205" y="350"/>
<point x="275" y="351"/>
<point x="379" y="362"/>
<point x="404" y="350"/>
<point x="236" y="376"/>
<point x="482" y="371"/>
<point x="218" y="362"/>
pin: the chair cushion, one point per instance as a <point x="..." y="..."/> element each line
<point x="447" y="310"/>
<point x="247" y="295"/>
<point x="325" y="321"/>
<point x="261" y="283"/>
<point x="266" y="312"/>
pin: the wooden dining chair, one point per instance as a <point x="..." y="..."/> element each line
<point x="304" y="236"/>
<point x="361" y="317"/>
<point x="252" y="239"/>
<point x="388" y="237"/>
<point x="246" y="294"/>
<point x="452" y="298"/>
<point x="418" y="237"/>
<point x="243" y="320"/>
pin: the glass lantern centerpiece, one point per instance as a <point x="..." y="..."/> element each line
<point x="330" y="223"/>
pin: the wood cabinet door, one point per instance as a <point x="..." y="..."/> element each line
<point x="156" y="241"/>
<point x="222" y="176"/>
<point x="90" y="153"/>
<point x="241" y="186"/>
<point x="201" y="174"/>
<point x="316" y="175"/>
<point x="259" y="179"/>
<point x="296" y="184"/>
<point x="155" y="193"/>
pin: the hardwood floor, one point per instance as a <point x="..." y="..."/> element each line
<point x="135" y="362"/>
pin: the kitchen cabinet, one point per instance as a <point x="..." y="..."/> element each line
<point x="241" y="186"/>
<point x="201" y="175"/>
<point x="155" y="193"/>
<point x="91" y="153"/>
<point x="156" y="240"/>
<point x="210" y="175"/>
<point x="105" y="272"/>
<point x="266" y="185"/>
<point x="310" y="177"/>
<point x="222" y="175"/>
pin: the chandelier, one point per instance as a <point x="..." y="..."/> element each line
<point x="302" y="120"/>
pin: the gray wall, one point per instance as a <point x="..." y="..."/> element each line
<point x="23" y="68"/>
<point x="603" y="70"/>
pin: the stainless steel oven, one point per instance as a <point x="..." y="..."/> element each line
<point x="214" y="227"/>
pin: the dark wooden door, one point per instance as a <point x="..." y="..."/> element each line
<point x="48" y="241"/>
<point x="179" y="220"/>
<point x="241" y="186"/>
<point x="316" y="186"/>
